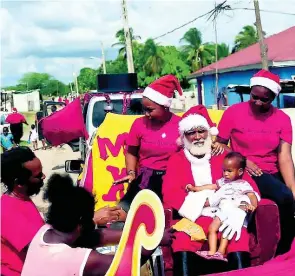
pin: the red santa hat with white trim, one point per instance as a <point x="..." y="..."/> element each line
<point x="161" y="91"/>
<point x="197" y="116"/>
<point x="267" y="79"/>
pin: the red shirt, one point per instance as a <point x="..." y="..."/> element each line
<point x="256" y="137"/>
<point x="156" y="144"/>
<point x="20" y="221"/>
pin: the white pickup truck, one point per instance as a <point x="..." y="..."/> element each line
<point x="116" y="93"/>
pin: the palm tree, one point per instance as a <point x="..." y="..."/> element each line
<point x="120" y="35"/>
<point x="248" y="36"/>
<point x="198" y="54"/>
<point x="153" y="58"/>
<point x="222" y="51"/>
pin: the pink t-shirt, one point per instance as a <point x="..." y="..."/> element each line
<point x="48" y="259"/>
<point x="256" y="137"/>
<point x="20" y="221"/>
<point x="156" y="143"/>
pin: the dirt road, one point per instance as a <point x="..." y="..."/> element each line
<point x="53" y="160"/>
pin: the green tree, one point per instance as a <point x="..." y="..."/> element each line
<point x="222" y="51"/>
<point x="54" y="87"/>
<point x="248" y="36"/>
<point x="87" y="79"/>
<point x="42" y="81"/>
<point x="116" y="66"/>
<point x="198" y="54"/>
<point x="120" y="35"/>
<point x="35" y="80"/>
<point x="175" y="64"/>
<point x="153" y="56"/>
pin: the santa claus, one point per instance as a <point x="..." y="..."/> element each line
<point x="195" y="165"/>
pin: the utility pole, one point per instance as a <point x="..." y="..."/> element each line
<point x="103" y="59"/>
<point x="128" y="43"/>
<point x="216" y="58"/>
<point x="76" y="84"/>
<point x="71" y="87"/>
<point x="263" y="46"/>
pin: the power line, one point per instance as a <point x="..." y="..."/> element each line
<point x="269" y="11"/>
<point x="183" y="25"/>
<point x="210" y="12"/>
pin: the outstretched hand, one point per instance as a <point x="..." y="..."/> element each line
<point x="127" y="179"/>
<point x="107" y="214"/>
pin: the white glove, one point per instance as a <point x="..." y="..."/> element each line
<point x="223" y="192"/>
<point x="233" y="224"/>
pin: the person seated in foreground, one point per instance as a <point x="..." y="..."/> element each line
<point x="240" y="194"/>
<point x="59" y="246"/>
<point x="195" y="165"/>
<point x="22" y="176"/>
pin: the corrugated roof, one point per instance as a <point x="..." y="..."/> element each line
<point x="281" y="49"/>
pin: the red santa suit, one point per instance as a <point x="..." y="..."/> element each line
<point x="181" y="172"/>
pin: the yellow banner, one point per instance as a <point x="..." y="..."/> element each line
<point x="108" y="156"/>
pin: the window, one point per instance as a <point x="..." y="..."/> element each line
<point x="135" y="108"/>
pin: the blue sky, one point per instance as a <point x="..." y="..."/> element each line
<point x="59" y="36"/>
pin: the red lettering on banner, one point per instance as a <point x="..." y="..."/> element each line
<point x="114" y="189"/>
<point x="104" y="143"/>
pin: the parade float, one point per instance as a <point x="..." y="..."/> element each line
<point x="105" y="163"/>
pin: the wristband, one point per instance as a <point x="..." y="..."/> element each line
<point x="131" y="172"/>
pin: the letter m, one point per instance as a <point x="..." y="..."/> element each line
<point x="114" y="149"/>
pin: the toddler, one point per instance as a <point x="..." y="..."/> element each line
<point x="241" y="196"/>
<point x="33" y="138"/>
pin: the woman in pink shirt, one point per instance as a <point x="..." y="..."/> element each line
<point x="152" y="140"/>
<point x="263" y="134"/>
<point x="21" y="173"/>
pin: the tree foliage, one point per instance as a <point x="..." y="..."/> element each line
<point x="151" y="61"/>
<point x="42" y="81"/>
<point x="245" y="38"/>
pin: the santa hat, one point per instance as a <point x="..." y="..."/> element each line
<point x="14" y="109"/>
<point x="267" y="79"/>
<point x="161" y="91"/>
<point x="197" y="116"/>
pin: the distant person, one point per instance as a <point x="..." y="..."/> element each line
<point x="59" y="99"/>
<point x="53" y="109"/>
<point x="53" y="99"/>
<point x="16" y="121"/>
<point x="33" y="137"/>
<point x="38" y="119"/>
<point x="22" y="176"/>
<point x="66" y="100"/>
<point x="7" y="142"/>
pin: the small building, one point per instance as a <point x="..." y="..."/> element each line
<point x="27" y="101"/>
<point x="235" y="71"/>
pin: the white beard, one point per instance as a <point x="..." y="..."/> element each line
<point x="197" y="150"/>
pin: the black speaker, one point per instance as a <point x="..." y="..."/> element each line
<point x="112" y="83"/>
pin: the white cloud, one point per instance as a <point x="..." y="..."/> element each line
<point x="52" y="36"/>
